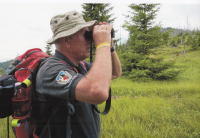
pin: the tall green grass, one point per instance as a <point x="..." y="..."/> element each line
<point x="3" y="129"/>
<point x="157" y="109"/>
<point x="152" y="117"/>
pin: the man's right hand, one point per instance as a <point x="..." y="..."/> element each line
<point x="101" y="33"/>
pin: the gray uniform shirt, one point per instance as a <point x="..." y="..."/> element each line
<point x="56" y="80"/>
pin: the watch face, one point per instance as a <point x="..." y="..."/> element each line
<point x="112" y="49"/>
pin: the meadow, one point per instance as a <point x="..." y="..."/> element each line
<point x="156" y="109"/>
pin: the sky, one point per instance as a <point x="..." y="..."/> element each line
<point x="25" y="24"/>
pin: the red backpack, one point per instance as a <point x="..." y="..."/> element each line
<point x="24" y="68"/>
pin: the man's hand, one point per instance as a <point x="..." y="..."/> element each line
<point x="111" y="44"/>
<point x="101" y="33"/>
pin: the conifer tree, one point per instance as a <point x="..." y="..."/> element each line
<point x="99" y="12"/>
<point x="194" y="44"/>
<point x="143" y="35"/>
<point x="198" y="40"/>
<point x="165" y="36"/>
<point x="49" y="50"/>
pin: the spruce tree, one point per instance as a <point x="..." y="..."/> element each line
<point x="165" y="36"/>
<point x="194" y="44"/>
<point x="144" y="37"/>
<point x="49" y="50"/>
<point x="198" y="40"/>
<point x="99" y="12"/>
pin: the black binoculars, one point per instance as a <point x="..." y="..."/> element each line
<point x="89" y="35"/>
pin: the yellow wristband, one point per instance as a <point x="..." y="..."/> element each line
<point x="103" y="44"/>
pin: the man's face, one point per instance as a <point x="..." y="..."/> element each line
<point x="80" y="48"/>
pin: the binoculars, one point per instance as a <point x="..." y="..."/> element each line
<point x="89" y="35"/>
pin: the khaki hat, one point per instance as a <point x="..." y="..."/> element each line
<point x="67" y="24"/>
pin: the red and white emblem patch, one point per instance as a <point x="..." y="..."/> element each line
<point x="63" y="77"/>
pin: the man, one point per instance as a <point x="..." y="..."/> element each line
<point x="69" y="78"/>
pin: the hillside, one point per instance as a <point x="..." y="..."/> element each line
<point x="175" y="32"/>
<point x="4" y="65"/>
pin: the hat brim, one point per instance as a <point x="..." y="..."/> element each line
<point x="71" y="31"/>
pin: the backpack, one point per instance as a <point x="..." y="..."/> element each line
<point x="22" y="71"/>
<point x="17" y="95"/>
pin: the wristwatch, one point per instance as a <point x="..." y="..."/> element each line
<point x="112" y="49"/>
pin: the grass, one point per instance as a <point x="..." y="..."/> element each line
<point x="156" y="109"/>
<point x="152" y="117"/>
<point x="3" y="129"/>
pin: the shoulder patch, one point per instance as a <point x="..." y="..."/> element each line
<point x="63" y="77"/>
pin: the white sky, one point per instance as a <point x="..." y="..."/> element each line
<point x="25" y="25"/>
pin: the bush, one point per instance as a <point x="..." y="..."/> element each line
<point x="144" y="68"/>
<point x="195" y="44"/>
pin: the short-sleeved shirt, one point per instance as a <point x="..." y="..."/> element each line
<point x="56" y="81"/>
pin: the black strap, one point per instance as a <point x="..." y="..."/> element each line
<point x="28" y="130"/>
<point x="107" y="106"/>
<point x="53" y="113"/>
<point x="8" y="125"/>
<point x="55" y="109"/>
<point x="71" y="111"/>
<point x="7" y="87"/>
<point x="31" y="53"/>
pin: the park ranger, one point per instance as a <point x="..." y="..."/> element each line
<point x="67" y="77"/>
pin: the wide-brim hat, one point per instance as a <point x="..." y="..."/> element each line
<point x="67" y="24"/>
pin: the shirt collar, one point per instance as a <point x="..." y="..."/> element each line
<point x="64" y="58"/>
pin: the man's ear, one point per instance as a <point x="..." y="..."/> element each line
<point x="65" y="42"/>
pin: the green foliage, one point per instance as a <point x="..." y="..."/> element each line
<point x="165" y="36"/>
<point x="99" y="12"/>
<point x="142" y="35"/>
<point x="143" y="39"/>
<point x="143" y="68"/>
<point x="173" y="42"/>
<point x="3" y="128"/>
<point x="4" y="65"/>
<point x="183" y="38"/>
<point x="180" y="34"/>
<point x="178" y="41"/>
<point x="189" y="40"/>
<point x="156" y="109"/>
<point x="2" y="72"/>
<point x="121" y="48"/>
<point x="186" y="34"/>
<point x="49" y="50"/>
<point x="195" y="44"/>
<point x="198" y="40"/>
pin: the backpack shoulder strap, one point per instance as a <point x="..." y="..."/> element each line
<point x="70" y="111"/>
